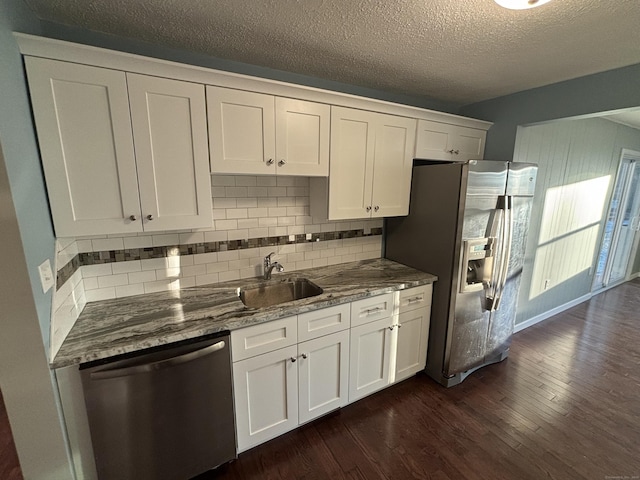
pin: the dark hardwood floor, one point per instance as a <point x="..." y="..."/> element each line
<point x="564" y="405"/>
<point x="9" y="465"/>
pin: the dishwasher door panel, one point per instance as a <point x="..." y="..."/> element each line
<point x="163" y="415"/>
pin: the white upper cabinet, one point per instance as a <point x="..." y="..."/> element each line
<point x="302" y="138"/>
<point x="442" y="141"/>
<point x="172" y="156"/>
<point x="242" y="131"/>
<point x="118" y="158"/>
<point x="371" y="160"/>
<point x="86" y="144"/>
<point x="260" y="134"/>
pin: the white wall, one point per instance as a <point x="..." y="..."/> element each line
<point x="578" y="161"/>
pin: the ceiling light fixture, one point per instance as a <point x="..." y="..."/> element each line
<point x="520" y="4"/>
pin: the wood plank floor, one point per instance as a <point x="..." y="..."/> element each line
<point x="9" y="465"/>
<point x="564" y="405"/>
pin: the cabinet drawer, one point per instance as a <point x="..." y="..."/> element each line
<point x="416" y="297"/>
<point x="372" y="308"/>
<point x="323" y="322"/>
<point x="263" y="338"/>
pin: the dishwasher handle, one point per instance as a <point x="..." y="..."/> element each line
<point x="157" y="365"/>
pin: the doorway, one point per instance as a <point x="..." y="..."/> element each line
<point x="623" y="222"/>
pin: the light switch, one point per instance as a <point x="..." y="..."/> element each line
<point x="46" y="275"/>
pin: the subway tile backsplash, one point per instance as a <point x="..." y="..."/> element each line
<point x="252" y="217"/>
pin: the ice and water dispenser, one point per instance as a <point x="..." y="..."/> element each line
<point x="477" y="264"/>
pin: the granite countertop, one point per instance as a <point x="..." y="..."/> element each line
<point x="123" y="325"/>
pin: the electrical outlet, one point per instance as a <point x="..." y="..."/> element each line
<point x="547" y="283"/>
<point x="46" y="275"/>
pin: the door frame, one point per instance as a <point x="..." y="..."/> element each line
<point x="633" y="156"/>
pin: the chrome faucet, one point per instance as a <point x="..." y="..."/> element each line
<point x="268" y="266"/>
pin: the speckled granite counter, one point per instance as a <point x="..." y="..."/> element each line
<point x="113" y="327"/>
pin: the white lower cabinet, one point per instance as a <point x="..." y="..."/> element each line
<point x="413" y="331"/>
<point x="370" y="356"/>
<point x="265" y="392"/>
<point x="323" y="375"/>
<point x="275" y="391"/>
<point x="290" y="371"/>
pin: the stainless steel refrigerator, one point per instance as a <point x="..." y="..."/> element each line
<point x="467" y="224"/>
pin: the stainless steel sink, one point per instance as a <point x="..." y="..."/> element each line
<point x="287" y="290"/>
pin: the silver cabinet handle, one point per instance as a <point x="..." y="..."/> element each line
<point x="133" y="218"/>
<point x="376" y="208"/>
<point x="304" y="356"/>
<point x="293" y="359"/>
<point x="399" y="325"/>
<point x="149" y="217"/>
<point x="269" y="162"/>
<point x="368" y="208"/>
<point x="281" y="163"/>
<point x="414" y="299"/>
<point x="369" y="311"/>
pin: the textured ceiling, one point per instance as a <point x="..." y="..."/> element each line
<point x="459" y="51"/>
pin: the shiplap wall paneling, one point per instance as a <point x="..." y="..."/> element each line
<point x="578" y="160"/>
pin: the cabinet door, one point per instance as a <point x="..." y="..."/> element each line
<point x="442" y="141"/>
<point x="370" y="349"/>
<point x="469" y="144"/>
<point x="84" y="131"/>
<point x="323" y="372"/>
<point x="172" y="152"/>
<point x="352" y="153"/>
<point x="413" y="334"/>
<point x="302" y="137"/>
<point x="241" y="131"/>
<point x="395" y="140"/>
<point x="266" y="396"/>
<point x="434" y="140"/>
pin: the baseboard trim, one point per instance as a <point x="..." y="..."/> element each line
<point x="554" y="311"/>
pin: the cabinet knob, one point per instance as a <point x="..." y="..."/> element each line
<point x="269" y="162"/>
<point x="450" y="151"/>
<point x="399" y="325"/>
<point x="368" y="208"/>
<point x="281" y="163"/>
<point x="133" y="218"/>
<point x="392" y="327"/>
<point x="456" y="152"/>
<point x="376" y="208"/>
<point x="293" y="359"/>
<point x="149" y="217"/>
<point x="304" y="356"/>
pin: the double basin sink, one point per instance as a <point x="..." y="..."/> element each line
<point x="276" y="292"/>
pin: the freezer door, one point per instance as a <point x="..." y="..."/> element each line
<point x="476" y="273"/>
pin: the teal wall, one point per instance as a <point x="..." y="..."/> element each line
<point x="20" y="150"/>
<point x="87" y="37"/>
<point x="612" y="90"/>
<point x="27" y="384"/>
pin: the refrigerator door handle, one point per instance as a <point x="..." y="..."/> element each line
<point x="498" y="218"/>
<point x="507" y="240"/>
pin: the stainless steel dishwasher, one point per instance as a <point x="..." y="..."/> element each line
<point x="166" y="414"/>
